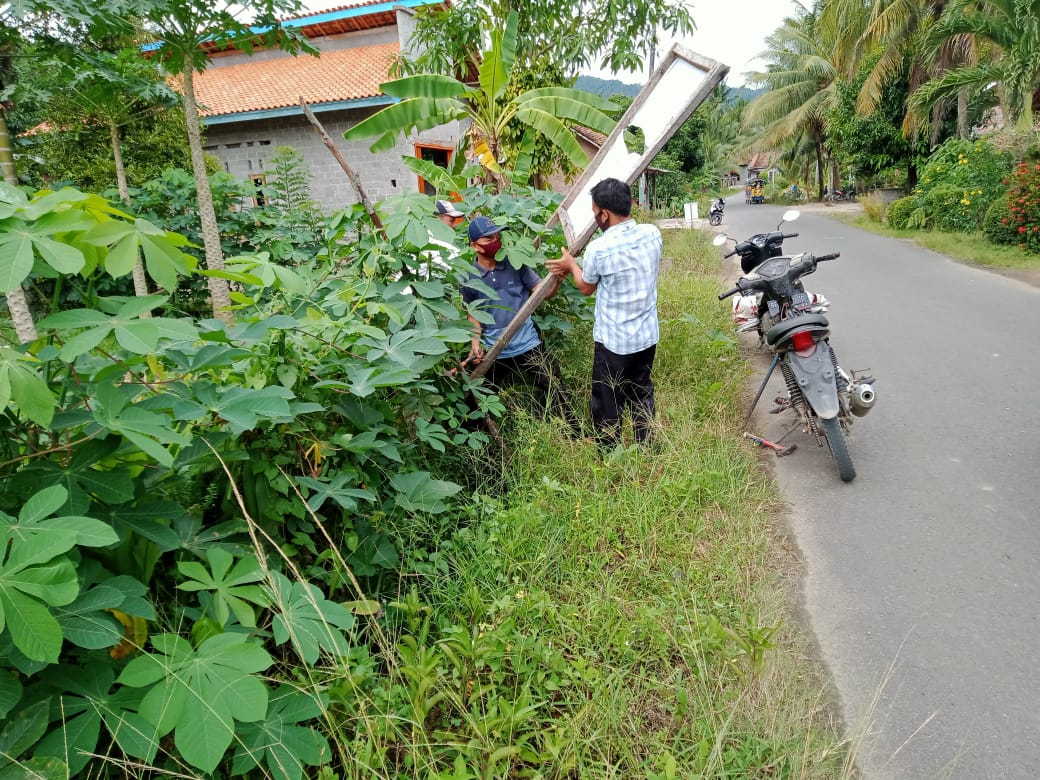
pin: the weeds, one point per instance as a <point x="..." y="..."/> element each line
<point x="608" y="618"/>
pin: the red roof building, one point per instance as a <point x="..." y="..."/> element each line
<point x="250" y="105"/>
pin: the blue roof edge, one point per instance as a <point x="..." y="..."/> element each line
<point x="274" y="113"/>
<point x="329" y="16"/>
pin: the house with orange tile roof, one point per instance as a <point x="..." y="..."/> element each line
<point x="250" y="105"/>
<point x="758" y="165"/>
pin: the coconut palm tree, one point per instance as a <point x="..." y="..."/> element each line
<point x="898" y="28"/>
<point x="801" y="85"/>
<point x="1009" y="33"/>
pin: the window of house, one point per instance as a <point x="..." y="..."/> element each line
<point x="438" y="155"/>
<point x="259" y="182"/>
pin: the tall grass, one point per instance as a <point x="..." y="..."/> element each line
<point x="618" y="617"/>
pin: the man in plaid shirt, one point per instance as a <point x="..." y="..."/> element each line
<point x="621" y="268"/>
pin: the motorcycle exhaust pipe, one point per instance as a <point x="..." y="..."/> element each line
<point x="861" y="399"/>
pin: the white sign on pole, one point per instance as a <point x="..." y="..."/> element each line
<point x="680" y="83"/>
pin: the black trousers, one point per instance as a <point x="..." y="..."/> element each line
<point x="622" y="382"/>
<point x="536" y="368"/>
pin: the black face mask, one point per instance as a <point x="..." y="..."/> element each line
<point x="605" y="223"/>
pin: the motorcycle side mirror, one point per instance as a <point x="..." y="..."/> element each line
<point x="720" y="239"/>
<point x="789" y="216"/>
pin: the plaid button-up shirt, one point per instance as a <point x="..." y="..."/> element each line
<point x="623" y="264"/>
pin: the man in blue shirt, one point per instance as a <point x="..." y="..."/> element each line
<point x="524" y="359"/>
<point x="621" y="268"/>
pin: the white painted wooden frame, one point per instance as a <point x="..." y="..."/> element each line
<point x="678" y="86"/>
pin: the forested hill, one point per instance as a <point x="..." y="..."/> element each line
<point x="608" y="87"/>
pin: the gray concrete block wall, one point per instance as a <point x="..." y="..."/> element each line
<point x="246" y="148"/>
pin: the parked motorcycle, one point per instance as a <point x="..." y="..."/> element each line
<point x="838" y="195"/>
<point x="753" y="252"/>
<point x="822" y="394"/>
<point x="715" y="211"/>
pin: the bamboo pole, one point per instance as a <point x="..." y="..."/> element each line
<point x="355" y="180"/>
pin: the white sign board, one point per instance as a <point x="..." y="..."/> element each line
<point x="679" y="84"/>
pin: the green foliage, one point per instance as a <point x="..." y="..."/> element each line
<point x="200" y="694"/>
<point x="428" y="100"/>
<point x="1024" y="205"/>
<point x="330" y="407"/>
<point x="959" y="182"/>
<point x="868" y="145"/>
<point x="999" y="224"/>
<point x="81" y="156"/>
<point x="555" y="36"/>
<point x="900" y="213"/>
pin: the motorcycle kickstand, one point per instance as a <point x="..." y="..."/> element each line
<point x="761" y="389"/>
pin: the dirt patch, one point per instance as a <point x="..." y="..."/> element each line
<point x="1030" y="276"/>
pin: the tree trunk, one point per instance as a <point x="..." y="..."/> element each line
<point x="819" y="170"/>
<point x="140" y="281"/>
<point x="963" y="131"/>
<point x="1025" y="118"/>
<point x="220" y="295"/>
<point x="17" y="304"/>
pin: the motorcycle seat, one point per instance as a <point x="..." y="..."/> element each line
<point x="788" y="326"/>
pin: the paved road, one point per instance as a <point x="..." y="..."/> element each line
<point x="923" y="575"/>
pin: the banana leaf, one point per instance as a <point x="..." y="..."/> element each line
<point x="425" y="85"/>
<point x="416" y="114"/>
<point x="590" y="98"/>
<point x="572" y="110"/>
<point x="556" y="131"/>
<point x="498" y="60"/>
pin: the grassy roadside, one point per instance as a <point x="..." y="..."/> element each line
<point x="975" y="248"/>
<point x="625" y="618"/>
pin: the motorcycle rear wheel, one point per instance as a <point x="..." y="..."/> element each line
<point x="714" y="220"/>
<point x="839" y="448"/>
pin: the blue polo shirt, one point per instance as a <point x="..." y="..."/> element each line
<point x="514" y="287"/>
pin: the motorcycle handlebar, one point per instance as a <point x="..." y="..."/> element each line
<point x="725" y="295"/>
<point x="831" y="256"/>
<point x="789" y="235"/>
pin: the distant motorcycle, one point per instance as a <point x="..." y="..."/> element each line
<point x="825" y="396"/>
<point x="715" y="211"/>
<point x="836" y="195"/>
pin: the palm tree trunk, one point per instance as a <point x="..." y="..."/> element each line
<point x="17" y="304"/>
<point x="140" y="282"/>
<point x="1025" y="117"/>
<point x="220" y="295"/>
<point x="819" y="170"/>
<point x="963" y="131"/>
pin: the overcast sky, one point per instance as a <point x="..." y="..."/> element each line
<point x="732" y="32"/>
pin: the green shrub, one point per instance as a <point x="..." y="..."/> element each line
<point x="958" y="183"/>
<point x="873" y="207"/>
<point x="999" y="225"/>
<point x="945" y="209"/>
<point x="899" y="212"/>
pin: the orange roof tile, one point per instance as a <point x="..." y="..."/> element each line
<point x="261" y="85"/>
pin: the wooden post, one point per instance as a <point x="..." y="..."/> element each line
<point x="355" y="180"/>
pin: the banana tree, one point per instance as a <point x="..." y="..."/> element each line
<point x="428" y="100"/>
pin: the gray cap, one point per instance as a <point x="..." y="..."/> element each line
<point x="447" y="207"/>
